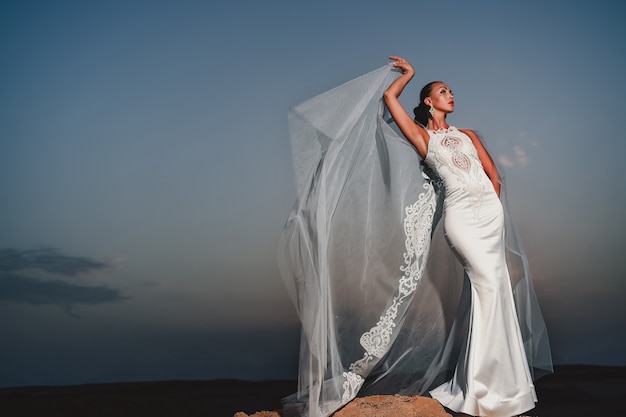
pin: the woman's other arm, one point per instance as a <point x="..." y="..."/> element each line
<point x="488" y="165"/>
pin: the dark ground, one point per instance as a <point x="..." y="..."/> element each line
<point x="573" y="391"/>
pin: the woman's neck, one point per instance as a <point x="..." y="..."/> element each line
<point x="437" y="123"/>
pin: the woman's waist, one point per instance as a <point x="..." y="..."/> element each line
<point x="465" y="197"/>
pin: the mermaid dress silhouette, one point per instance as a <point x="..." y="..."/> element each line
<point x="492" y="376"/>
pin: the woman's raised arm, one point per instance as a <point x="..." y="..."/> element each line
<point x="414" y="133"/>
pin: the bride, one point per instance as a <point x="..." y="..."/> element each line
<point x="391" y="299"/>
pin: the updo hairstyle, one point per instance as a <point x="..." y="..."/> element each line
<point x="421" y="111"/>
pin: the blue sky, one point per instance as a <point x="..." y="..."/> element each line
<point x="145" y="170"/>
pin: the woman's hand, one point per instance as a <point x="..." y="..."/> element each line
<point x="403" y="64"/>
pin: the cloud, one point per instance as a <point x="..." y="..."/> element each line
<point x="21" y="289"/>
<point x="521" y="155"/>
<point x="48" y="260"/>
<point x="505" y="161"/>
<point x="17" y="287"/>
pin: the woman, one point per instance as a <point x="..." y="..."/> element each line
<point x="385" y="308"/>
<point x="493" y="379"/>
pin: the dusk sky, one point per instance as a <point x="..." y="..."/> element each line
<point x="145" y="169"/>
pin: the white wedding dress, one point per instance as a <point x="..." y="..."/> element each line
<point x="386" y="306"/>
<point x="493" y="379"/>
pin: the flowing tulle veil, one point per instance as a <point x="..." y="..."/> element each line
<point x="383" y="302"/>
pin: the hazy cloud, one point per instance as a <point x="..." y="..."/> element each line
<point x="48" y="260"/>
<point x="20" y="288"/>
<point x="521" y="156"/>
<point x="527" y="139"/>
<point x="505" y="161"/>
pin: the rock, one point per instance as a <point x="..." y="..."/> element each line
<point x="380" y="406"/>
<point x="392" y="406"/>
<point x="259" y="414"/>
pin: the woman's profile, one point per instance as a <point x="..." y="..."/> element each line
<point x="406" y="271"/>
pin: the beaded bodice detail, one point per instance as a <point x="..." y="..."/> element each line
<point x="451" y="153"/>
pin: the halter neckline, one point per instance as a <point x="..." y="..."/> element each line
<point x="442" y="129"/>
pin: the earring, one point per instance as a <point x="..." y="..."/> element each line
<point x="431" y="110"/>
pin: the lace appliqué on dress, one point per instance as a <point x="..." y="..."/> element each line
<point x="461" y="161"/>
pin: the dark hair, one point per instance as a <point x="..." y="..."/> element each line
<point x="421" y="111"/>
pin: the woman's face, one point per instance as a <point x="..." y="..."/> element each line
<point x="441" y="98"/>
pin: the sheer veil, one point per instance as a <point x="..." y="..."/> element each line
<point x="383" y="302"/>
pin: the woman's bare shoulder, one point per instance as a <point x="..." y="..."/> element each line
<point x="472" y="135"/>
<point x="468" y="132"/>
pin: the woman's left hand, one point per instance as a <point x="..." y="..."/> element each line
<point x="402" y="63"/>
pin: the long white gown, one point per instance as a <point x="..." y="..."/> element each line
<point x="386" y="307"/>
<point x="494" y="377"/>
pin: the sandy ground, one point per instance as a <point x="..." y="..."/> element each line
<point x="573" y="391"/>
